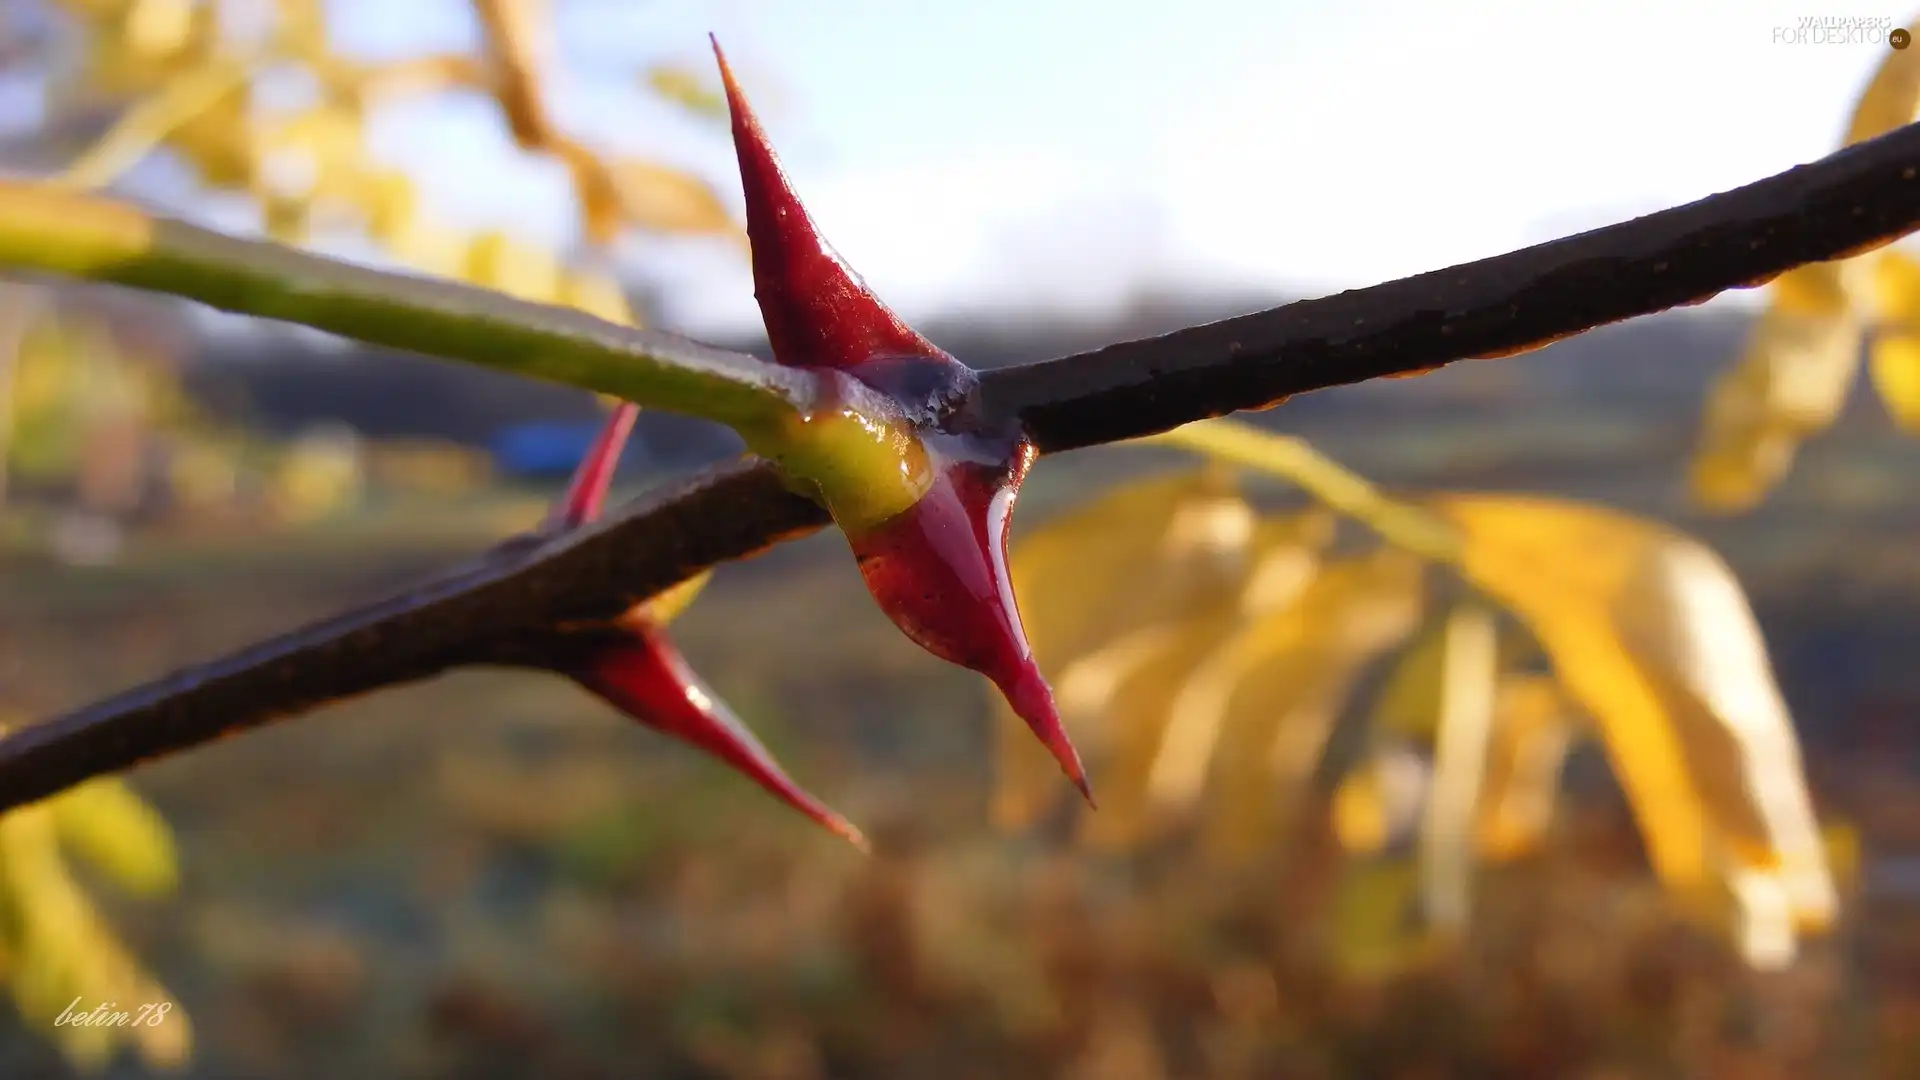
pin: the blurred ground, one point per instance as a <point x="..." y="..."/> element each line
<point x="492" y="876"/>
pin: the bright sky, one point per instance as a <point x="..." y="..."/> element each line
<point x="1027" y="153"/>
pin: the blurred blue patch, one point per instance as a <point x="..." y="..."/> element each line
<point x="541" y="449"/>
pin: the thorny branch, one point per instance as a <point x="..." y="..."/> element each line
<point x="1860" y="198"/>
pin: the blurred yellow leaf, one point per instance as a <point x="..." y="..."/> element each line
<point x="1791" y="381"/>
<point x="1533" y="730"/>
<point x="1894" y="357"/>
<point x="597" y="294"/>
<point x="1894" y="363"/>
<point x="1652" y="636"/>
<point x="1684" y="615"/>
<point x="1464" y="722"/>
<point x="1894" y="287"/>
<point x="519" y="42"/>
<point x="689" y="89"/>
<point x="1802" y="356"/>
<point x="663" y="199"/>
<point x="59" y="949"/>
<point x="1253" y="721"/>
<point x="285" y="219"/>
<point x="431" y="249"/>
<point x="318" y="153"/>
<point x="1891" y="98"/>
<point x="1182" y="544"/>
<point x="390" y="205"/>
<point x="158" y="27"/>
<point x="519" y="270"/>
<point x="219" y="140"/>
<point x="1139" y="678"/>
<point x="105" y="823"/>
<point x="1409" y="703"/>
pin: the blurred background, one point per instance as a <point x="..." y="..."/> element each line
<point x="494" y="875"/>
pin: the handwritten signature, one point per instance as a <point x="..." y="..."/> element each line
<point x="105" y="1015"/>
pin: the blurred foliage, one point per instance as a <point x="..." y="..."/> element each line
<point x="1207" y="653"/>
<point x="1803" y="354"/>
<point x="186" y="78"/>
<point x="1235" y="674"/>
<point x="56" y="950"/>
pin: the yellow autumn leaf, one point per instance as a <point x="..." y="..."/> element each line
<point x="1684" y="615"/>
<point x="1182" y="544"/>
<point x="431" y="249"/>
<point x="1893" y="359"/>
<point x="59" y="948"/>
<point x="1891" y="98"/>
<point x="1533" y="730"/>
<point x="1409" y="703"/>
<point x="519" y="44"/>
<point x="663" y="199"/>
<point x="520" y="270"/>
<point x="690" y="89"/>
<point x="1801" y="358"/>
<point x="1463" y="727"/>
<point x="1894" y="365"/>
<point x="598" y="295"/>
<point x="1652" y="637"/>
<point x="1894" y="288"/>
<point x="103" y="822"/>
<point x="389" y="204"/>
<point x="1736" y="469"/>
<point x="1791" y="382"/>
<point x="1128" y="700"/>
<point x="1250" y="727"/>
<point x="158" y="28"/>
<point x="319" y="152"/>
<point x="221" y="140"/>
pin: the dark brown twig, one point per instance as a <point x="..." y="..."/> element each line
<point x="1852" y="201"/>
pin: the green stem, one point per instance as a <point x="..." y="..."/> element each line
<point x="1401" y="524"/>
<point x="78" y="236"/>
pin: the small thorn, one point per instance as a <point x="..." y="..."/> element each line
<point x="852" y="834"/>
<point x="645" y="677"/>
<point x="587" y="490"/>
<point x="1086" y="790"/>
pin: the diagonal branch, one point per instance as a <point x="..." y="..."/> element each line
<point x="48" y="229"/>
<point x="1843" y="205"/>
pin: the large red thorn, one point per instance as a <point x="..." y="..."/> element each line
<point x="938" y="570"/>
<point x="817" y="310"/>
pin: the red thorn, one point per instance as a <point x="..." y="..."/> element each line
<point x="818" y="312"/>
<point x="644" y="676"/>
<point x="938" y="570"/>
<point x="1031" y="698"/>
<point x="587" y="492"/>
